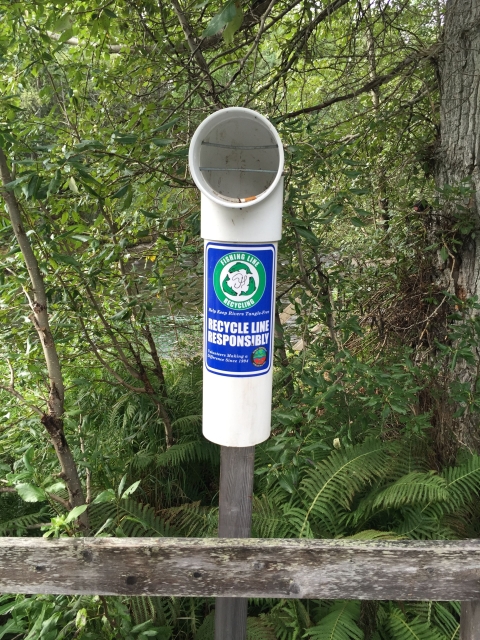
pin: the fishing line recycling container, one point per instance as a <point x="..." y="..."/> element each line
<point x="236" y="160"/>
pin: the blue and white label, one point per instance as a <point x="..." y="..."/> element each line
<point x="239" y="308"/>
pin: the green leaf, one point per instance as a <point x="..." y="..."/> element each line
<point x="55" y="487"/>
<point x="162" y="142"/>
<point x="121" y="485"/>
<point x="72" y="185"/>
<point x="308" y="235"/>
<point x="121" y="192"/>
<point x="76" y="513"/>
<point x="121" y="315"/>
<point x="128" y="138"/>
<point x="55" y="183"/>
<point x="152" y="214"/>
<point x="167" y="125"/>
<point x="66" y="260"/>
<point x="234" y="25"/>
<point x="128" y="199"/>
<point x="66" y="35"/>
<point x="131" y="489"/>
<point x="217" y="23"/>
<point x="28" y="458"/>
<point x="64" y="23"/>
<point x="105" y="496"/>
<point x="32" y="186"/>
<point x="30" y="493"/>
<point x="444" y="254"/>
<point x="81" y="619"/>
<point x="89" y="144"/>
<point x="10" y="186"/>
<point x="358" y="222"/>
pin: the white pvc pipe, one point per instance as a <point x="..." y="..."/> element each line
<point x="236" y="160"/>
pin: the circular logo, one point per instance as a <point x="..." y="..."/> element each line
<point x="239" y="280"/>
<point x="259" y="356"/>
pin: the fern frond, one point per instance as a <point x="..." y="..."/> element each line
<point x="399" y="628"/>
<point x="206" y="631"/>
<point x="134" y="518"/>
<point x="18" y="526"/>
<point x="413" y="489"/>
<point x="289" y="619"/>
<point x="146" y="608"/>
<point x="268" y="519"/>
<point x="329" y="488"/>
<point x="463" y="482"/>
<point x="187" y="422"/>
<point x="446" y="616"/>
<point x="259" y="629"/>
<point x="373" y="534"/>
<point x="340" y="623"/>
<point x="191" y="520"/>
<point x="186" y="452"/>
<point x="422" y="524"/>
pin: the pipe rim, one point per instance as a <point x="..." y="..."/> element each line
<point x="204" y="129"/>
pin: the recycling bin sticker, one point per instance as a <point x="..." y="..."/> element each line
<point x="239" y="308"/>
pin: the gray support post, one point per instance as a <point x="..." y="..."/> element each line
<point x="470" y="620"/>
<point x="235" y="521"/>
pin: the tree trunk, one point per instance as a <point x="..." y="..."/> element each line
<point x="457" y="163"/>
<point x="53" y="418"/>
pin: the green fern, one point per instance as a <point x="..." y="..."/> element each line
<point x="463" y="482"/>
<point x="269" y="520"/>
<point x="206" y="631"/>
<point x="191" y="520"/>
<point x="398" y="627"/>
<point x="187" y="422"/>
<point x="130" y="518"/>
<point x="330" y="487"/>
<point x="414" y="488"/>
<point x="372" y="534"/>
<point x="19" y="526"/>
<point x="184" y="453"/>
<point x="289" y="619"/>
<point x="446" y="616"/>
<point x="146" y="608"/>
<point x="258" y="629"/>
<point x="340" y="623"/>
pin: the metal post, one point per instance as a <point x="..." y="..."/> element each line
<point x="470" y="620"/>
<point x="235" y="521"/>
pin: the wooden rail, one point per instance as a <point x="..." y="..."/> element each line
<point x="273" y="568"/>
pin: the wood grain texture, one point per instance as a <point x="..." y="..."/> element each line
<point x="231" y="618"/>
<point x="236" y="489"/>
<point x="235" y="521"/>
<point x="332" y="569"/>
<point x="470" y="620"/>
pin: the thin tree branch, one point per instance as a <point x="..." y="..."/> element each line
<point x="65" y="504"/>
<point x="22" y="399"/>
<point x="298" y="42"/>
<point x="196" y="52"/>
<point x="412" y="59"/>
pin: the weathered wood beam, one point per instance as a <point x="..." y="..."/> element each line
<point x="332" y="569"/>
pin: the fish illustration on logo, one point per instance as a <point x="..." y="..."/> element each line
<point x="239" y="280"/>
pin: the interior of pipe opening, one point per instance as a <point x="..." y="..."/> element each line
<point x="239" y="159"/>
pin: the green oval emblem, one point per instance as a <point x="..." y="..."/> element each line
<point x="239" y="280"/>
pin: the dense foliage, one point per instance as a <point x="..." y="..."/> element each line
<point x="98" y="103"/>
